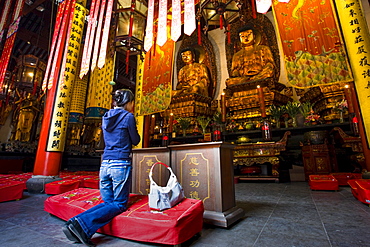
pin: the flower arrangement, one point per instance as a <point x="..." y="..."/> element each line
<point x="306" y="109"/>
<point x="232" y="126"/>
<point x="292" y="108"/>
<point x="341" y="106"/>
<point x="203" y="121"/>
<point x="276" y="112"/>
<point x="312" y="118"/>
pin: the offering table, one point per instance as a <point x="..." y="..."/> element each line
<point x="205" y="172"/>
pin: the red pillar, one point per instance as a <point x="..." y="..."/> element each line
<point x="48" y="163"/>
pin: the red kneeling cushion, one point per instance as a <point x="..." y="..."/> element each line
<point x="360" y="189"/>
<point x="343" y="177"/>
<point x="11" y="190"/>
<point x="61" y="186"/>
<point x="92" y="182"/>
<point x="172" y="226"/>
<point x="323" y="182"/>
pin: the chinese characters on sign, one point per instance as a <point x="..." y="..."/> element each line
<point x="195" y="176"/>
<point x="357" y="37"/>
<point x="59" y="122"/>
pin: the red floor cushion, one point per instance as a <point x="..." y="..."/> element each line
<point x="11" y="190"/>
<point x="343" y="177"/>
<point x="360" y="189"/>
<point x="92" y="182"/>
<point x="323" y="182"/>
<point x="173" y="226"/>
<point x="61" y="186"/>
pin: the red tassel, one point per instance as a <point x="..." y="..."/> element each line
<point x="127" y="60"/>
<point x="199" y="34"/>
<point x="221" y="22"/>
<point x="254" y="11"/>
<point x="228" y="34"/>
<point x="34" y="87"/>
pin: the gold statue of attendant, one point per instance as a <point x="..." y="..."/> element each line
<point x="193" y="77"/>
<point x="253" y="62"/>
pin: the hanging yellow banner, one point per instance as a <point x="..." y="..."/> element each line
<point x="59" y="121"/>
<point x="357" y="37"/>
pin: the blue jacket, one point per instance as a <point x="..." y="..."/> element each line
<point x="120" y="133"/>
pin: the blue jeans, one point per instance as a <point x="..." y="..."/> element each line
<point x="115" y="182"/>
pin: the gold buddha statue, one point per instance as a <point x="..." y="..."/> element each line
<point x="253" y="62"/>
<point x="25" y="116"/>
<point x="193" y="77"/>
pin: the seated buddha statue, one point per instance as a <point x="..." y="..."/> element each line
<point x="193" y="77"/>
<point x="253" y="62"/>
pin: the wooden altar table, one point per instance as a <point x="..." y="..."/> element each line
<point x="259" y="153"/>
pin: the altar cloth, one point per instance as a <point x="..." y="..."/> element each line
<point x="172" y="226"/>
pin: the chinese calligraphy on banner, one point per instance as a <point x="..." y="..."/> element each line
<point x="59" y="118"/>
<point x="311" y="43"/>
<point x="356" y="35"/>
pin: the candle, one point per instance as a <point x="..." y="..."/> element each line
<point x="171" y="123"/>
<point x="262" y="101"/>
<point x="347" y="93"/>
<point x="152" y="124"/>
<point x="223" y="108"/>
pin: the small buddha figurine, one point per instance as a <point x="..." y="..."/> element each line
<point x="193" y="77"/>
<point x="252" y="62"/>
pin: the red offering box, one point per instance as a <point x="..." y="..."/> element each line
<point x="11" y="190"/>
<point x="172" y="226"/>
<point x="360" y="189"/>
<point x="343" y="177"/>
<point x="61" y="186"/>
<point x="323" y="182"/>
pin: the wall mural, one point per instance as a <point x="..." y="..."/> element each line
<point x="313" y="52"/>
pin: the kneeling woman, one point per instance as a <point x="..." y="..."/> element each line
<point x="120" y="133"/>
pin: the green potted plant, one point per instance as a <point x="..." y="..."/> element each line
<point x="203" y="121"/>
<point x="276" y="112"/>
<point x="184" y="122"/>
<point x="292" y="108"/>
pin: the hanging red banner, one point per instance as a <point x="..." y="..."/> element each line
<point x="89" y="39"/>
<point x="313" y="51"/>
<point x="4" y="17"/>
<point x="5" y="56"/>
<point x="60" y="15"/>
<point x="157" y="79"/>
<point x="60" y="42"/>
